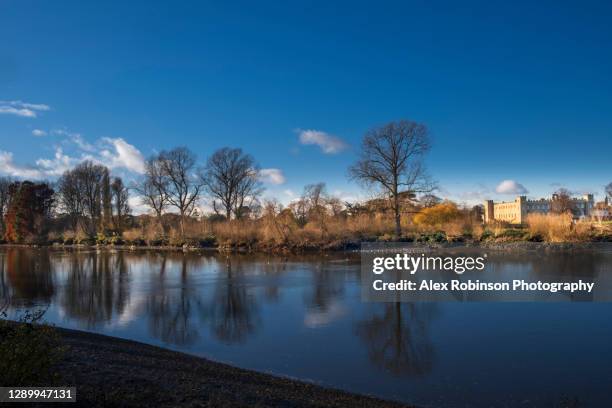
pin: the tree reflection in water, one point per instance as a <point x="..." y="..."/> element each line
<point x="229" y="309"/>
<point x="398" y="338"/>
<point x="170" y="308"/>
<point x="5" y="290"/>
<point x="233" y="311"/>
<point x="97" y="287"/>
<point x="327" y="285"/>
<point x="30" y="276"/>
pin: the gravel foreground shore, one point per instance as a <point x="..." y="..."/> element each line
<point x="111" y="372"/>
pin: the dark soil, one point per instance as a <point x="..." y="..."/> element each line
<point x="110" y="372"/>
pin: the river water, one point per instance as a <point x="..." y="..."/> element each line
<point x="303" y="317"/>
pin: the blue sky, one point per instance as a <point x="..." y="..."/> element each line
<point x="509" y="90"/>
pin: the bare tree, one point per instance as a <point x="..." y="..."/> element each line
<point x="153" y="190"/>
<point x="299" y="210"/>
<point x="336" y="206"/>
<point x="231" y="178"/>
<point x="391" y="159"/>
<point x="120" y="197"/>
<point x="183" y="187"/>
<point x="429" y="200"/>
<point x="82" y="195"/>
<point x="608" y="190"/>
<point x="562" y="202"/>
<point x="315" y="197"/>
<point x="71" y="200"/>
<point x="91" y="178"/>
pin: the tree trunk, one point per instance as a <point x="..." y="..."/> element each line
<point x="396" y="210"/>
<point x="182" y="222"/>
<point x="162" y="224"/>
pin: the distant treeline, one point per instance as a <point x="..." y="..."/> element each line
<point x="89" y="205"/>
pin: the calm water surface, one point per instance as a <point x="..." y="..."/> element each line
<point x="302" y="317"/>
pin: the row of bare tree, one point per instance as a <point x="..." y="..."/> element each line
<point x="229" y="178"/>
<point x="391" y="161"/>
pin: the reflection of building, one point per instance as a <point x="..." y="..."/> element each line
<point x="515" y="212"/>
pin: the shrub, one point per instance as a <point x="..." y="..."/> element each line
<point x="116" y="240"/>
<point x="511" y="234"/>
<point x="208" y="242"/>
<point x="133" y="236"/>
<point x="101" y="239"/>
<point x="551" y="227"/>
<point x="438" y="215"/>
<point x="486" y="234"/>
<point x="438" y="236"/>
<point x="28" y="352"/>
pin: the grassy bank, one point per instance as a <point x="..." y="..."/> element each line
<point x="244" y="236"/>
<point x="281" y="232"/>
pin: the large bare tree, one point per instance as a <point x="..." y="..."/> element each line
<point x="183" y="186"/>
<point x="231" y="178"/>
<point x="81" y="195"/>
<point x="391" y="159"/>
<point x="153" y="190"/>
<point x="71" y="197"/>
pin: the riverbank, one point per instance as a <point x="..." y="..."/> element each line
<point x="510" y="246"/>
<point x="109" y="371"/>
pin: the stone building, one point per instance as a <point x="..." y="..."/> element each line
<point x="515" y="212"/>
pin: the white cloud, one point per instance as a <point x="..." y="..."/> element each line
<point x="23" y="109"/>
<point x="56" y="166"/>
<point x="8" y="167"/>
<point x="272" y="176"/>
<point x="510" y="187"/>
<point x="10" y="110"/>
<point x="329" y="144"/>
<point x="122" y="155"/>
<point x="39" y="132"/>
<point x="44" y="168"/>
<point x="115" y="153"/>
<point x="75" y="138"/>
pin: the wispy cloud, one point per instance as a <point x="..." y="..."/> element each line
<point x="39" y="132"/>
<point x="76" y="138"/>
<point x="510" y="187"/>
<point x="56" y="166"/>
<point x="272" y="176"/>
<point x="10" y="168"/>
<point x="475" y="195"/>
<point x="115" y="153"/>
<point x="23" y="109"/>
<point x="329" y="144"/>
